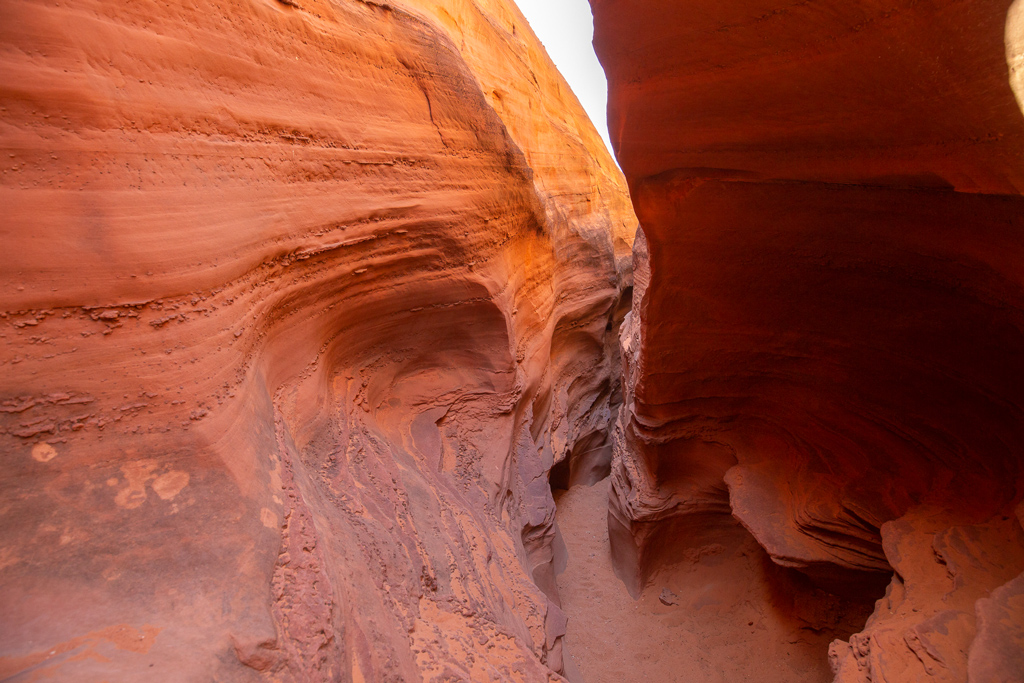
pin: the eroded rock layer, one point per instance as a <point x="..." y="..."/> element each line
<point x="299" y="310"/>
<point x="829" y="309"/>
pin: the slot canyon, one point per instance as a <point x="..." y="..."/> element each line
<point x="336" y="346"/>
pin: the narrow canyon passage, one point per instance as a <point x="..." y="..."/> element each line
<point x="725" y="624"/>
<point x="335" y="346"/>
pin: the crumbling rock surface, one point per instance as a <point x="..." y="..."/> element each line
<point x="950" y="583"/>
<point x="302" y="301"/>
<point x="828" y="309"/>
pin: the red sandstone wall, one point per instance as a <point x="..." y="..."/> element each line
<point x="829" y="309"/>
<point x="870" y="92"/>
<point x="291" y="324"/>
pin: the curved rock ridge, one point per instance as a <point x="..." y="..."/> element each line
<point x="896" y="93"/>
<point x="824" y="345"/>
<point x="299" y="311"/>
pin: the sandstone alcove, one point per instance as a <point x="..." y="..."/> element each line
<point x="335" y="346"/>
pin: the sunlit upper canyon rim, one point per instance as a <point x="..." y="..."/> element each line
<point x="337" y="345"/>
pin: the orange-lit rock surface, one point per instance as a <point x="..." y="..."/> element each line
<point x="826" y="333"/>
<point x="301" y="302"/>
<point x="893" y="92"/>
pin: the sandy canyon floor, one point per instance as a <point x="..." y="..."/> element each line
<point x="722" y="630"/>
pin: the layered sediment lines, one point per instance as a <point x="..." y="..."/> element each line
<point x="825" y="338"/>
<point x="299" y="310"/>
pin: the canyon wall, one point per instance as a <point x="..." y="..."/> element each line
<point x="302" y="301"/>
<point x="824" y="349"/>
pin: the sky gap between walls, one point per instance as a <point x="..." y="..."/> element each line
<point x="566" y="29"/>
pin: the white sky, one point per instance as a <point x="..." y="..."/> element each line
<point x="566" y="28"/>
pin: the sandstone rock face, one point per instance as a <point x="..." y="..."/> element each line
<point x="302" y="301"/>
<point x="947" y="599"/>
<point x="893" y="93"/>
<point x="825" y="337"/>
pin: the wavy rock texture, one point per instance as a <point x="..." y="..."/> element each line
<point x="301" y="304"/>
<point x="824" y="345"/>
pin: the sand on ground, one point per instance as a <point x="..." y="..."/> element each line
<point x="723" y="629"/>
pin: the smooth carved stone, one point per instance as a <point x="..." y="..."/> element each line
<point x="302" y="302"/>
<point x="883" y="93"/>
<point x="825" y="337"/>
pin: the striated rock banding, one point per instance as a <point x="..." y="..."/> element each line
<point x="829" y="307"/>
<point x="298" y="313"/>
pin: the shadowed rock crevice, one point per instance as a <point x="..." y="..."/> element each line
<point x="310" y="311"/>
<point x="828" y="309"/>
